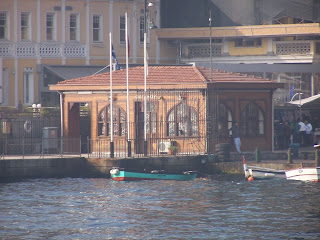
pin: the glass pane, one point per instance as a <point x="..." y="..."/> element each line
<point x="171" y="123"/>
<point x="2" y="31"/>
<point x="73" y="34"/>
<point x="154" y="123"/>
<point x="24" y="34"/>
<point x="95" y="35"/>
<point x="101" y="129"/>
<point x="49" y="34"/>
<point x="49" y="20"/>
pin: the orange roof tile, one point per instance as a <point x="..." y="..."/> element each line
<point x="160" y="75"/>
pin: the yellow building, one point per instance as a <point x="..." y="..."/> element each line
<point x="39" y="33"/>
<point x="43" y="42"/>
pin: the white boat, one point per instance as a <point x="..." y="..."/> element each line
<point x="260" y="172"/>
<point x="304" y="174"/>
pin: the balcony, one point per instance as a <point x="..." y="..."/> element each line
<point x="307" y="51"/>
<point x="44" y="50"/>
<point x="203" y="50"/>
<point x="294" y="48"/>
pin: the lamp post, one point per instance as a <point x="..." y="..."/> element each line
<point x="210" y="22"/>
<point x="146" y="5"/>
<point x="150" y="4"/>
<point x="36" y="109"/>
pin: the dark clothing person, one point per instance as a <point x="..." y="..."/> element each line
<point x="281" y="133"/>
<point x="295" y="131"/>
<point x="287" y="134"/>
<point x="236" y="136"/>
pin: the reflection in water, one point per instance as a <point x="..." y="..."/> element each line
<point x="215" y="208"/>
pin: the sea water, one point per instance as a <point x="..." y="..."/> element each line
<point x="221" y="207"/>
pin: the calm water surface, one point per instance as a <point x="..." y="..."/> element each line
<point x="221" y="207"/>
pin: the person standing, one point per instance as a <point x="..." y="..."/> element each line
<point x="302" y="133"/>
<point x="308" y="132"/>
<point x="281" y="133"/>
<point x="235" y="131"/>
<point x="295" y="131"/>
<point x="287" y="130"/>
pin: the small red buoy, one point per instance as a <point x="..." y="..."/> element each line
<point x="250" y="179"/>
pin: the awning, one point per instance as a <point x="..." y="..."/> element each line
<point x="314" y="101"/>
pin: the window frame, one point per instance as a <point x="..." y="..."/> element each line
<point x="250" y="42"/>
<point x="104" y="123"/>
<point x="122" y="29"/>
<point x="224" y="122"/>
<point x="26" y="28"/>
<point x="52" y="28"/>
<point x="252" y="124"/>
<point x="178" y="126"/>
<point x="28" y="86"/>
<point x="142" y="23"/>
<point x="98" y="29"/>
<point x="152" y="117"/>
<point x="76" y="28"/>
<point x="5" y="26"/>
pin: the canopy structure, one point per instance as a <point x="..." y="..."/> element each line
<point x="313" y="101"/>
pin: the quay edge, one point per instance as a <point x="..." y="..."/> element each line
<point x="59" y="167"/>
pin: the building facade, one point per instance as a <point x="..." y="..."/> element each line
<point x="179" y="106"/>
<point x="39" y="33"/>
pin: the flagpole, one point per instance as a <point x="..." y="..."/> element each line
<point x="145" y="95"/>
<point x="127" y="68"/>
<point x="111" y="101"/>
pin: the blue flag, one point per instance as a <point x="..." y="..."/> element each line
<point x="115" y="58"/>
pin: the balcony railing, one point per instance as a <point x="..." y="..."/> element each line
<point x="6" y="49"/>
<point x="293" y="48"/>
<point x="281" y="48"/>
<point x="203" y="50"/>
<point x="45" y="49"/>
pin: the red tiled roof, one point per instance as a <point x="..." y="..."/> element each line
<point x="164" y="75"/>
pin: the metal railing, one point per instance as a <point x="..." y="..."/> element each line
<point x="22" y="147"/>
<point x="156" y="147"/>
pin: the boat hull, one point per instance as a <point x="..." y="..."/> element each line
<point x="266" y="174"/>
<point x="133" y="176"/>
<point x="304" y="174"/>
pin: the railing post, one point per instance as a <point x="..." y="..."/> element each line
<point x="80" y="146"/>
<point x="23" y="146"/>
<point x="129" y="148"/>
<point x="111" y="149"/>
<point x="145" y="148"/>
<point x="88" y="149"/>
<point x="61" y="148"/>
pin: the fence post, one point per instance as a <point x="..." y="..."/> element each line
<point x="111" y="149"/>
<point x="80" y="146"/>
<point x="289" y="156"/>
<point x="23" y="146"/>
<point x="61" y="147"/>
<point x="88" y="149"/>
<point x="129" y="148"/>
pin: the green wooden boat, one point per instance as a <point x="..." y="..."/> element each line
<point x="124" y="175"/>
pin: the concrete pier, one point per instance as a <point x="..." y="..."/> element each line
<point x="77" y="166"/>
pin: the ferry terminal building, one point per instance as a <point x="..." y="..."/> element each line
<point x="191" y="108"/>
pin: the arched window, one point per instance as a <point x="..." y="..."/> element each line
<point x="119" y="121"/>
<point x="252" y="120"/>
<point x="182" y="121"/>
<point x="151" y="124"/>
<point x="225" y="120"/>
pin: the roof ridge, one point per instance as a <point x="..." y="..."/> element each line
<point x="199" y="73"/>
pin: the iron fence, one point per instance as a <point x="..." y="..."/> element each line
<point x="155" y="147"/>
<point x="22" y="147"/>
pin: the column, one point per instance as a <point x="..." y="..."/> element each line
<point x="88" y="33"/>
